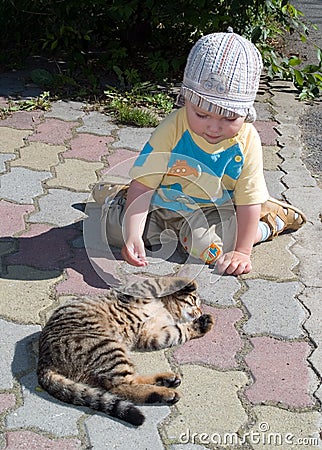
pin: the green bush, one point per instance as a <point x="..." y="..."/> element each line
<point x="140" y="40"/>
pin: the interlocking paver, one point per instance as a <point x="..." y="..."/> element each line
<point x="274" y="309"/>
<point x="48" y="414"/>
<point x="43" y="247"/>
<point x="53" y="131"/>
<point x="219" y="346"/>
<point x="25" y="291"/>
<point x="133" y="138"/>
<point x="22" y="185"/>
<point x="22" y="120"/>
<point x="274" y="364"/>
<point x="66" y="110"/>
<point x="88" y="147"/>
<point x="15" y="354"/>
<point x="12" y="217"/>
<point x="11" y="139"/>
<point x="25" y="439"/>
<point x="38" y="156"/>
<point x="279" y="428"/>
<point x="96" y="123"/>
<point x="75" y="174"/>
<point x="209" y="403"/>
<point x="266" y="131"/>
<point x="56" y="208"/>
<point x="7" y="401"/>
<point x="106" y="433"/>
<point x="5" y="157"/>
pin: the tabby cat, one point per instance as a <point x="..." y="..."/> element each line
<point x="83" y="348"/>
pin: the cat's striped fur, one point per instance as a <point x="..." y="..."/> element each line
<point x="83" y="348"/>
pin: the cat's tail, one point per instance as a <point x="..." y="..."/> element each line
<point x="69" y="391"/>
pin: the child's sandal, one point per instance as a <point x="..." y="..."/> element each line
<point x="273" y="208"/>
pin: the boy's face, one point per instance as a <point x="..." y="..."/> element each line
<point x="212" y="127"/>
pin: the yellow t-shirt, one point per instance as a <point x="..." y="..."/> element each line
<point x="188" y="173"/>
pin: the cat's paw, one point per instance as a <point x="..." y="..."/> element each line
<point x="204" y="323"/>
<point x="168" y="379"/>
<point x="163" y="395"/>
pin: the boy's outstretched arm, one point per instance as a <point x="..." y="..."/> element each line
<point x="136" y="211"/>
<point x="238" y="261"/>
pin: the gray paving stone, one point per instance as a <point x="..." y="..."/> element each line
<point x="274" y="309"/>
<point x="264" y="111"/>
<point x="133" y="138"/>
<point x="22" y="185"/>
<point x="56" y="208"/>
<point x="66" y="110"/>
<point x="274" y="184"/>
<point x="41" y="411"/>
<point x="96" y="123"/>
<point x="311" y="299"/>
<point x="106" y="433"/>
<point x="4" y="157"/>
<point x="187" y="447"/>
<point x="15" y="353"/>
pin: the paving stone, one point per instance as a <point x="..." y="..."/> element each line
<point x="279" y="428"/>
<point x="200" y="411"/>
<point x="120" y="163"/>
<point x="266" y="131"/>
<point x="56" y="208"/>
<point x="274" y="260"/>
<point x="53" y="131"/>
<point x="43" y="247"/>
<point x="96" y="123"/>
<point x="296" y="174"/>
<point x="311" y="299"/>
<point x="22" y="440"/>
<point x="272" y="160"/>
<point x="12" y="217"/>
<point x="25" y="291"/>
<point x="274" y="309"/>
<point x="22" y="120"/>
<point x="75" y="174"/>
<point x="7" y="401"/>
<point x="307" y="199"/>
<point x="66" y="110"/>
<point x="106" y="433"/>
<point x="147" y="363"/>
<point x="264" y="111"/>
<point x="39" y="156"/>
<point x="308" y="248"/>
<point x="274" y="183"/>
<point x="88" y="147"/>
<point x="219" y="346"/>
<point x="15" y="353"/>
<point x="281" y="373"/>
<point x="187" y="447"/>
<point x="5" y="157"/>
<point x="133" y="138"/>
<point x="22" y="185"/>
<point x="12" y="140"/>
<point x="48" y="414"/>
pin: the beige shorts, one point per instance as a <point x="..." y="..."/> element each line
<point x="204" y="234"/>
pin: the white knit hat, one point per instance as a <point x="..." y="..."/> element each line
<point x="222" y="75"/>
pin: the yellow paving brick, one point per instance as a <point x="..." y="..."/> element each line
<point x="75" y="174"/>
<point x="274" y="260"/>
<point x="279" y="428"/>
<point x="24" y="292"/>
<point x="148" y="363"/>
<point x="209" y="406"/>
<point x="39" y="156"/>
<point x="11" y="139"/>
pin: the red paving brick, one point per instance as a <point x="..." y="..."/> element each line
<point x="12" y="217"/>
<point x="218" y="347"/>
<point x="280" y="371"/>
<point x="53" y="131"/>
<point x="267" y="132"/>
<point x="121" y="162"/>
<point x="6" y="401"/>
<point x="22" y="120"/>
<point x="28" y="440"/>
<point x="88" y="147"/>
<point x="43" y="247"/>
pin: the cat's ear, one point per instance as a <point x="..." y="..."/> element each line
<point x="125" y="298"/>
<point x="185" y="286"/>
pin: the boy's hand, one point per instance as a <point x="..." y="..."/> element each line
<point x="234" y="263"/>
<point x="133" y="252"/>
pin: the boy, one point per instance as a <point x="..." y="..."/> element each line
<point x="201" y="160"/>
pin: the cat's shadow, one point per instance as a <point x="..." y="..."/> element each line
<point x="24" y="367"/>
